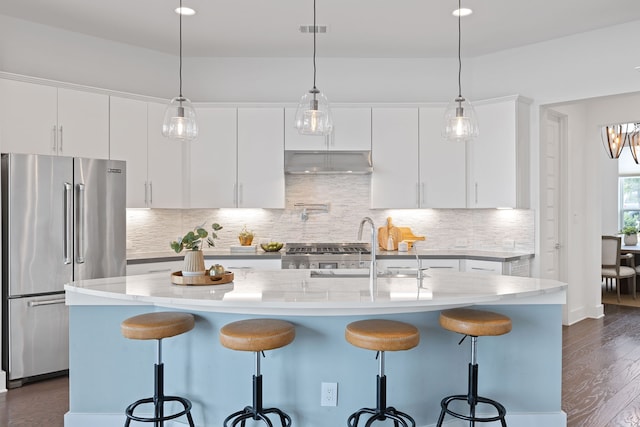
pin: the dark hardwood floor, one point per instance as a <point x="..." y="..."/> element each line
<point x="600" y="378"/>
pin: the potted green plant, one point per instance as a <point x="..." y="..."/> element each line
<point x="192" y="242"/>
<point x="630" y="232"/>
<point x="245" y="236"/>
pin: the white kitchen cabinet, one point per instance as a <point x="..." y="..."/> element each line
<point x="442" y="166"/>
<point x="394" y="149"/>
<point x="213" y="165"/>
<point x="83" y="124"/>
<point x="164" y="162"/>
<point x="128" y="142"/>
<point x="498" y="164"/>
<point x="155" y="267"/>
<point x="41" y="119"/>
<point x="261" y="158"/>
<point x="351" y="131"/>
<point x="408" y="264"/>
<point x="481" y="266"/>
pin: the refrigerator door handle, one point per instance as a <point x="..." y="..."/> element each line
<point x="68" y="222"/>
<point x="46" y="302"/>
<point x="80" y="225"/>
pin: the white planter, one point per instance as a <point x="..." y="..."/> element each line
<point x="193" y="264"/>
<point x="630" y="239"/>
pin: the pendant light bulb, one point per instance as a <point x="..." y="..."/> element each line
<point x="460" y="121"/>
<point x="313" y="116"/>
<point x="180" y="121"/>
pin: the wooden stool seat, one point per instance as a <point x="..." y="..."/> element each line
<point x="257" y="334"/>
<point x="155" y="326"/>
<point x="475" y="323"/>
<point x="382" y="335"/>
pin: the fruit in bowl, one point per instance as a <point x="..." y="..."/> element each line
<point x="271" y="246"/>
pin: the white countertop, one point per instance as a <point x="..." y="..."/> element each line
<point x="295" y="292"/>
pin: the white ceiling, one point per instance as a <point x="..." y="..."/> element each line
<point x="356" y="28"/>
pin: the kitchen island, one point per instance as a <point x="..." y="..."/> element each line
<point x="522" y="369"/>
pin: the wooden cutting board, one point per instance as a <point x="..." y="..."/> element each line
<point x="385" y="232"/>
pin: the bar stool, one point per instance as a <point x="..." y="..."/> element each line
<point x="156" y="326"/>
<point x="473" y="323"/>
<point x="257" y="335"/>
<point x="382" y="335"/>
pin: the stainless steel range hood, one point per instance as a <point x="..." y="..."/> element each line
<point x="327" y="162"/>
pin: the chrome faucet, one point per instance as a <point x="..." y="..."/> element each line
<point x="420" y="272"/>
<point x="373" y="286"/>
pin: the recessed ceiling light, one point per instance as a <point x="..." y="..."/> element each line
<point x="462" y="12"/>
<point x="186" y="11"/>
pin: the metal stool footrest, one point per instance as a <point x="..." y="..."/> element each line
<point x="472" y="417"/>
<point x="159" y="418"/>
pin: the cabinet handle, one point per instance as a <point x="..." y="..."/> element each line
<point x="441" y="266"/>
<point x="150" y="193"/>
<point x="417" y="195"/>
<point x="482" y="269"/>
<point x="146" y="200"/>
<point x="60" y="145"/>
<point x="240" y="198"/>
<point x="424" y="198"/>
<point x="235" y="194"/>
<point x="476" y="193"/>
<point x="46" y="302"/>
<point x="162" y="270"/>
<point x="55" y="139"/>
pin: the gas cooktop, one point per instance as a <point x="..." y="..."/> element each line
<point x="327" y="248"/>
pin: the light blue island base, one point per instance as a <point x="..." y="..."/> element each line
<point x="522" y="369"/>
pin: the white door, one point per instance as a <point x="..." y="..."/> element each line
<point x="128" y="142"/>
<point x="83" y="121"/>
<point x="213" y="167"/>
<point x="261" y="158"/>
<point x="164" y="157"/>
<point x="28" y="118"/>
<point x="443" y="177"/>
<point x="551" y="240"/>
<point x="394" y="149"/>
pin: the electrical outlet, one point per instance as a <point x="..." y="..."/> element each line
<point x="329" y="394"/>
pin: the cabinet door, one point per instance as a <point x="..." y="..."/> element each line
<point x="394" y="148"/>
<point x="28" y="118"/>
<point x="294" y="141"/>
<point x="492" y="167"/>
<point x="351" y="129"/>
<point x="213" y="169"/>
<point x="443" y="179"/>
<point x="164" y="162"/>
<point x="128" y="142"/>
<point x="83" y="121"/>
<point x="261" y="158"/>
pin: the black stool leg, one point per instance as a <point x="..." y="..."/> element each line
<point x="257" y="411"/>
<point x="472" y="399"/>
<point x="381" y="412"/>
<point x="158" y="400"/>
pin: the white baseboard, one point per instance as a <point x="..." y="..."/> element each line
<point x="554" y="419"/>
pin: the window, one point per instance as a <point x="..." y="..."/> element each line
<point x="629" y="200"/>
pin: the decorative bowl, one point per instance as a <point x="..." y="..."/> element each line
<point x="271" y="246"/>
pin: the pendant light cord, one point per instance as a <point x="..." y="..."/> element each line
<point x="315" y="30"/>
<point x="459" y="44"/>
<point x="180" y="70"/>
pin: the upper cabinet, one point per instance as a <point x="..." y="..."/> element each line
<point x="154" y="163"/>
<point x="351" y="131"/>
<point x="41" y="119"/>
<point x="261" y="158"/>
<point x="498" y="164"/>
<point x="213" y="160"/>
<point x="394" y="149"/>
<point x="128" y="142"/>
<point x="442" y="164"/>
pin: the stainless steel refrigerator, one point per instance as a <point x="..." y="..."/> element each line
<point x="63" y="219"/>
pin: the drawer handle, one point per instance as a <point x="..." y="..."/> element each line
<point x="482" y="269"/>
<point x="46" y="302"/>
<point x="160" y="271"/>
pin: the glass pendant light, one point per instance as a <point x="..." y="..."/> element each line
<point x="313" y="116"/>
<point x="613" y="139"/>
<point x="180" y="118"/>
<point x="460" y="120"/>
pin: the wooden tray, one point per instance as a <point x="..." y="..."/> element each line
<point x="178" y="279"/>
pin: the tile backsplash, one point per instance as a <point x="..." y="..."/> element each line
<point x="347" y="197"/>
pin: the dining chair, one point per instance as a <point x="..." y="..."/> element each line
<point x="611" y="264"/>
